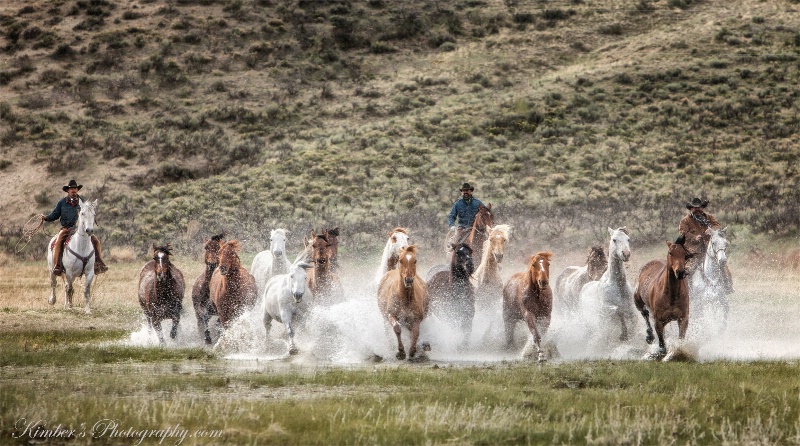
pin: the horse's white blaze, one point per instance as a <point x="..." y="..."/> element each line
<point x="408" y="257"/>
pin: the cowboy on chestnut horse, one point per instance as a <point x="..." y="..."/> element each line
<point x="693" y="227"/>
<point x="67" y="210"/>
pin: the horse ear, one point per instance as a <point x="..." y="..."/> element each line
<point x="610" y="231"/>
<point x="94" y="203"/>
<point x="722" y="231"/>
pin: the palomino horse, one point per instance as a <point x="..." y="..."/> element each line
<point x="203" y="308"/>
<point x="527" y="296"/>
<point x="486" y="278"/>
<point x="232" y="289"/>
<point x="322" y="281"/>
<point x="610" y="299"/>
<point x="161" y="288"/>
<point x="662" y="292"/>
<point x="398" y="239"/>
<point x="573" y="278"/>
<point x="77" y="256"/>
<point x="403" y="300"/>
<point x="451" y="292"/>
<point x="282" y="295"/>
<point x="706" y="286"/>
<point x="270" y="262"/>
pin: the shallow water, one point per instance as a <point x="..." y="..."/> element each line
<point x="351" y="332"/>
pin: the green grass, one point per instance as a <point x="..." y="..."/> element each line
<point x="576" y="403"/>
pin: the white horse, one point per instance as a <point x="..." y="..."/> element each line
<point x="398" y="239"/>
<point x="570" y="282"/>
<point x="271" y="262"/>
<point x="706" y="287"/>
<point x="77" y="256"/>
<point x="282" y="296"/>
<point x="610" y="299"/>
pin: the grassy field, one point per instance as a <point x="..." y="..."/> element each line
<point x="101" y="377"/>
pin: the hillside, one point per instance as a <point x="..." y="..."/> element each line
<point x="188" y="117"/>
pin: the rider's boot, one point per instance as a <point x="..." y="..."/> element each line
<point x="58" y="269"/>
<point x="99" y="266"/>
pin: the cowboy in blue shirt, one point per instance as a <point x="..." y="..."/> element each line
<point x="66" y="211"/>
<point x="464" y="211"/>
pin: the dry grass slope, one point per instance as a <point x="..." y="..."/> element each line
<point x="192" y="116"/>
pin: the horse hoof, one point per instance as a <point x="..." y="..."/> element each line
<point x="293" y="351"/>
<point x="426" y="347"/>
<point x="401" y="355"/>
<point x="649" y="339"/>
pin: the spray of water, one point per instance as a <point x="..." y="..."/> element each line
<point x="349" y="330"/>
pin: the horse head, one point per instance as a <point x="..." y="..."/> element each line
<point x="484" y="218"/>
<point x="297" y="278"/>
<point x="717" y="245"/>
<point x="333" y="240"/>
<point x="539" y="268"/>
<point x="596" y="263"/>
<point x="619" y="247"/>
<point x="161" y="257"/>
<point x="228" y="257"/>
<point x="86" y="215"/>
<point x="277" y="242"/>
<point x="407" y="265"/>
<point x="676" y="259"/>
<point x="212" y="248"/>
<point x="498" y="236"/>
<point x="462" y="265"/>
<point x="321" y="248"/>
<point x="398" y="240"/>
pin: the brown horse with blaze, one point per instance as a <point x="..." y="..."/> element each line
<point x="527" y="296"/>
<point x="403" y="300"/>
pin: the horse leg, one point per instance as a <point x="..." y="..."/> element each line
<point x="401" y="351"/>
<point x="287" y="322"/>
<point x="646" y="315"/>
<point x="176" y="319"/>
<point x="53" y="285"/>
<point x="530" y="319"/>
<point x="156" y="324"/>
<point x="623" y="336"/>
<point x="201" y="313"/>
<point x="68" y="290"/>
<point x="412" y="351"/>
<point x="662" y="346"/>
<point x="509" y="324"/>
<point x="683" y="324"/>
<point x="87" y="290"/>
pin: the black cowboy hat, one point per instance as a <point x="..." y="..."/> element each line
<point x="72" y="183"/>
<point x="466" y="186"/>
<point x="697" y="203"/>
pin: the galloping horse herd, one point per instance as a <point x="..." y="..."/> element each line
<point x="597" y="295"/>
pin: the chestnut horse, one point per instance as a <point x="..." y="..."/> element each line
<point x="486" y="278"/>
<point x="527" y="296"/>
<point x="484" y="220"/>
<point x="398" y="239"/>
<point x="232" y="288"/>
<point x="403" y="300"/>
<point x="321" y="281"/>
<point x="662" y="292"/>
<point x="203" y="308"/>
<point x="161" y="288"/>
<point x="573" y="278"/>
<point x="451" y="292"/>
<point x="333" y="240"/>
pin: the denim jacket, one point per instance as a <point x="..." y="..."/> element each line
<point x="464" y="212"/>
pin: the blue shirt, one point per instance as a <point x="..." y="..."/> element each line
<point x="66" y="212"/>
<point x="465" y="212"/>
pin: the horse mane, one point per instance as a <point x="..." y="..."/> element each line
<point x="411" y="248"/>
<point x="399" y="229"/>
<point x="280" y="231"/>
<point x="504" y="230"/>
<point x="232" y="245"/>
<point x="543" y="254"/>
<point x="166" y="249"/>
<point x="218" y="237"/>
<point x="595" y="251"/>
<point x="624" y="230"/>
<point x="334" y="232"/>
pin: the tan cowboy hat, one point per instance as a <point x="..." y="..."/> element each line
<point x="72" y="183"/>
<point x="697" y="203"/>
<point x="466" y="186"/>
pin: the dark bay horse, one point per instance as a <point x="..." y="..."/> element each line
<point x="527" y="296"/>
<point x="203" y="308"/>
<point x="663" y="293"/>
<point x="403" y="300"/>
<point x="161" y="288"/>
<point x="452" y="293"/>
<point x="333" y="241"/>
<point x="232" y="289"/>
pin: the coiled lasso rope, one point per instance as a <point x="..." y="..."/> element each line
<point x="31" y="228"/>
